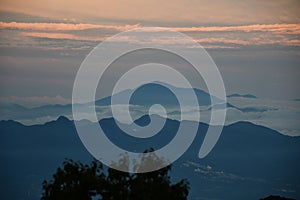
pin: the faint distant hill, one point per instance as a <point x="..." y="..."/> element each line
<point x="250" y="96"/>
<point x="248" y="162"/>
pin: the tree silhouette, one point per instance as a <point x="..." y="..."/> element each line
<point x="75" y="181"/>
<point x="78" y="181"/>
<point x="273" y="197"/>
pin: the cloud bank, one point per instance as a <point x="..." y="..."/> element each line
<point x="286" y="35"/>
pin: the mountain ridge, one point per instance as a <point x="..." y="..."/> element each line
<point x="66" y="119"/>
<point x="248" y="156"/>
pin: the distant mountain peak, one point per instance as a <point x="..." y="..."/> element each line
<point x="62" y="119"/>
<point x="250" y="96"/>
<point x="11" y="122"/>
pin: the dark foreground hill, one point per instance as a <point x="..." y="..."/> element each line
<point x="248" y="162"/>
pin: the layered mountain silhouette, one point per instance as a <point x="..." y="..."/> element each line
<point x="250" y="96"/>
<point x="144" y="96"/>
<point x="248" y="162"/>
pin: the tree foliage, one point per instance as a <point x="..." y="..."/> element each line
<point x="84" y="182"/>
<point x="273" y="197"/>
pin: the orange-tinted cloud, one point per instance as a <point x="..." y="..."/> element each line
<point x="162" y="13"/>
<point x="61" y="26"/>
<point x="293" y="29"/>
<point x="61" y="36"/>
<point x="258" y="34"/>
<point x="275" y="28"/>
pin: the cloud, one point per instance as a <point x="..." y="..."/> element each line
<point x="224" y="41"/>
<point x="209" y="37"/>
<point x="165" y="13"/>
<point x="61" y="26"/>
<point x="290" y="29"/>
<point x="286" y="29"/>
<point x="60" y="36"/>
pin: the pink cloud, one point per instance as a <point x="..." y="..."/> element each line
<point x="275" y="28"/>
<point x="65" y="36"/>
<point x="61" y="26"/>
<point x="257" y="34"/>
<point x="223" y="40"/>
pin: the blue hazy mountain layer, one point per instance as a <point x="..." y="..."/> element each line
<point x="146" y="95"/>
<point x="250" y="96"/>
<point x="248" y="162"/>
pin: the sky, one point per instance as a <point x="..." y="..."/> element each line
<point x="255" y="44"/>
